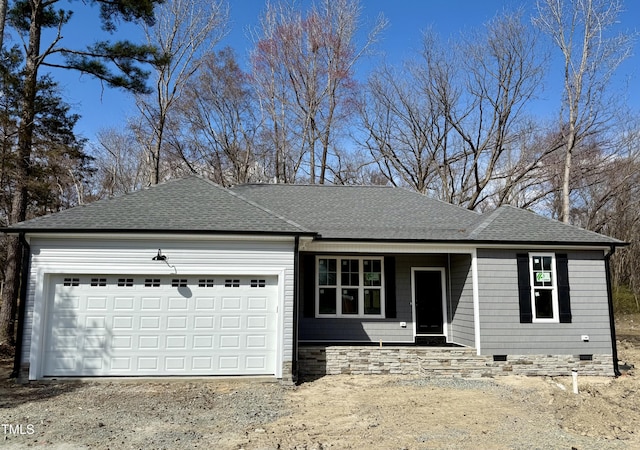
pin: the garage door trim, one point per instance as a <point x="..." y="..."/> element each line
<point x="43" y="308"/>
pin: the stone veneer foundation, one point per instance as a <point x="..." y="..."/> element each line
<point x="440" y="361"/>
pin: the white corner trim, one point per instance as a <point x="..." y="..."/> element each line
<point x="476" y="299"/>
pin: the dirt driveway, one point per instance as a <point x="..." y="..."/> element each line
<point x="332" y="412"/>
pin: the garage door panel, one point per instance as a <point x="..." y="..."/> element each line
<point x="202" y="363"/>
<point x="204" y="303"/>
<point x="203" y="342"/>
<point x="120" y="364"/>
<point x="150" y="304"/>
<point x="147" y="363"/>
<point x="176" y="323"/>
<point x="117" y="326"/>
<point x="203" y="322"/>
<point x="67" y="303"/>
<point x="231" y="304"/>
<point x="94" y="364"/>
<point x="123" y="303"/>
<point x="257" y="341"/>
<point x="123" y="342"/>
<point x="97" y="303"/>
<point x="257" y="362"/>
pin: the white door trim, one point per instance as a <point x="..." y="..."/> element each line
<point x="445" y="325"/>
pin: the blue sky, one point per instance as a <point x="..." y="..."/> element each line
<point x="101" y="108"/>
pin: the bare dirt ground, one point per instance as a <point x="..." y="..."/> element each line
<point x="354" y="412"/>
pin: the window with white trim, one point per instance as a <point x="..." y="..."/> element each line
<point x="349" y="286"/>
<point x="544" y="288"/>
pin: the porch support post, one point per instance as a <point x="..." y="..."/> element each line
<point x="476" y="298"/>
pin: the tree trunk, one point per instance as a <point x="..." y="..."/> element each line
<point x="566" y="186"/>
<point x="3" y="19"/>
<point x="10" y="292"/>
<point x="23" y="173"/>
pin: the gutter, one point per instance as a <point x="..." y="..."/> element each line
<point x="612" y="324"/>
<point x="136" y="231"/>
<point x="24" y="283"/>
<point x="478" y="243"/>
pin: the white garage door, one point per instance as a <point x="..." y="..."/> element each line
<point x="157" y="325"/>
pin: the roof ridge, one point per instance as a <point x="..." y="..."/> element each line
<point x="443" y="202"/>
<point x="501" y="210"/>
<point x="268" y="211"/>
<point x="318" y="185"/>
<point x="551" y="219"/>
<point x="483" y="224"/>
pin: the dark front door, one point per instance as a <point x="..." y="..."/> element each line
<point x="428" y="298"/>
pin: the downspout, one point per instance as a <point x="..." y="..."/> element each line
<point x="296" y="297"/>
<point x="614" y="345"/>
<point x="22" y="307"/>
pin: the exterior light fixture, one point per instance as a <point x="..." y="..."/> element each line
<point x="159" y="256"/>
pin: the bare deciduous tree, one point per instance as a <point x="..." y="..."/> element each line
<point x="184" y="32"/>
<point x="581" y="30"/>
<point x="303" y="69"/>
<point x="219" y="124"/>
<point x="120" y="164"/>
<point x="452" y="123"/>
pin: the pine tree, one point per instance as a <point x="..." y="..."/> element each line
<point x="117" y="63"/>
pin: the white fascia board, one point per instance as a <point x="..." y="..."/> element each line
<point x="309" y="245"/>
<point x="550" y="247"/>
<point x="385" y="247"/>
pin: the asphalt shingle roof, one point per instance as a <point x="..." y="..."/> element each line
<point x="333" y="212"/>
<point x="509" y="224"/>
<point x="189" y="204"/>
<point x="363" y="212"/>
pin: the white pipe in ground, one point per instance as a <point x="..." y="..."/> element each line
<point x="574" y="375"/>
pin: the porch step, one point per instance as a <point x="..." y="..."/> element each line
<point x="432" y="341"/>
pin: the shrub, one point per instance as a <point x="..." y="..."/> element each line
<point x="625" y="301"/>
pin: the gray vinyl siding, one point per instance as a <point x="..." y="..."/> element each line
<point x="460" y="305"/>
<point x="500" y="327"/>
<point x="389" y="330"/>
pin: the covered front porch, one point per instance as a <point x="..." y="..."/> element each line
<point x="424" y="295"/>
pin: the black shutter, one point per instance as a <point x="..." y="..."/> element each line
<point x="524" y="288"/>
<point x="309" y="286"/>
<point x="564" y="301"/>
<point x="390" y="286"/>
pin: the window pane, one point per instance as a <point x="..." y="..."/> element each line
<point x="349" y="301"/>
<point x="546" y="263"/>
<point x="542" y="279"/>
<point x="372" y="272"/>
<point x="372" y="301"/>
<point x="327" y="301"/>
<point x="350" y="273"/>
<point x="327" y="272"/>
<point x="544" y="303"/>
<point x="537" y="263"/>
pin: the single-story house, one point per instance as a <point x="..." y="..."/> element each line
<point x="187" y="278"/>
